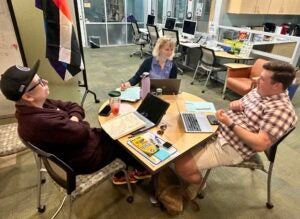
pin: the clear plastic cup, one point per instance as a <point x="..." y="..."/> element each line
<point x="115" y="101"/>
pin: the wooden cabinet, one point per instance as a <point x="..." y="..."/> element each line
<point x="248" y="7"/>
<point x="289" y="7"/>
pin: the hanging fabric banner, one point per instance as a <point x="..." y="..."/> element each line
<point x="62" y="47"/>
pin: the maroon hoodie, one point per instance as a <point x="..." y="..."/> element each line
<point x="84" y="148"/>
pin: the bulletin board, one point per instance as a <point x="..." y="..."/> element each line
<point x="9" y="54"/>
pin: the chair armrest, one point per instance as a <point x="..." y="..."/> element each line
<point x="239" y="72"/>
<point x="237" y="65"/>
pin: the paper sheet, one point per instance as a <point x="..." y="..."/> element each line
<point x="192" y="106"/>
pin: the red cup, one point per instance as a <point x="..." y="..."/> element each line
<point x="115" y="108"/>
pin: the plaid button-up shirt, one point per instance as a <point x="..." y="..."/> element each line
<point x="273" y="114"/>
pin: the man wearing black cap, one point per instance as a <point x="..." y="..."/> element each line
<point x="56" y="126"/>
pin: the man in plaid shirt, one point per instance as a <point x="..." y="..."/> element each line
<point x="251" y="125"/>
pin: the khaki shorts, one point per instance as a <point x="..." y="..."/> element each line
<point x="215" y="153"/>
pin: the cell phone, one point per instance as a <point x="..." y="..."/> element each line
<point x="167" y="144"/>
<point x="105" y="111"/>
<point x="212" y="120"/>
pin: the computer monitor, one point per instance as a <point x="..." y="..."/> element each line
<point x="170" y="23"/>
<point x="150" y="19"/>
<point x="189" y="28"/>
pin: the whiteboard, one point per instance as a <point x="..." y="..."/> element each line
<point x="9" y="54"/>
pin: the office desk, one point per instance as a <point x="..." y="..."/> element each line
<point x="174" y="133"/>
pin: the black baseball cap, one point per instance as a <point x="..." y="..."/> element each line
<point x="16" y="79"/>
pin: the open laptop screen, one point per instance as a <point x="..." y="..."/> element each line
<point x="153" y="108"/>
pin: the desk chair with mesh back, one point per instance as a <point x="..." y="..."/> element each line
<point x="138" y="39"/>
<point x="153" y="34"/>
<point x="9" y="140"/>
<point x="208" y="63"/>
<point x="173" y="34"/>
<point x="74" y="185"/>
<point x="255" y="162"/>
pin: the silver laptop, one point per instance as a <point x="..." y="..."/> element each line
<point x="194" y="121"/>
<point x="168" y="86"/>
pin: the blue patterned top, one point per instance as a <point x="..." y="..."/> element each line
<point x="157" y="73"/>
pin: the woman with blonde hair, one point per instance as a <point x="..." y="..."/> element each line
<point x="159" y="66"/>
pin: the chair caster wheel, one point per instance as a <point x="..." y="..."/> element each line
<point x="141" y="57"/>
<point x="97" y="101"/>
<point x="130" y="55"/>
<point x="269" y="206"/>
<point x="43" y="181"/>
<point x="192" y="83"/>
<point x="41" y="209"/>
<point x="129" y="199"/>
<point x="203" y="91"/>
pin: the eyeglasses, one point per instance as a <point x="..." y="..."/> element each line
<point x="40" y="82"/>
<point x="162" y="129"/>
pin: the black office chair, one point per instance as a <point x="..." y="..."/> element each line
<point x="138" y="39"/>
<point x="173" y="35"/>
<point x="74" y="185"/>
<point x="256" y="163"/>
<point x="208" y="63"/>
<point x="153" y="34"/>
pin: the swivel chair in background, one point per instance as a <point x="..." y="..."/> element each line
<point x="138" y="39"/>
<point x="153" y="35"/>
<point x="208" y="63"/>
<point x="173" y="35"/>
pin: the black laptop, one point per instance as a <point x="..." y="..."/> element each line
<point x="151" y="111"/>
<point x="168" y="86"/>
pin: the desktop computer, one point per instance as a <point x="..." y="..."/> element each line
<point x="150" y="19"/>
<point x="170" y="23"/>
<point x="188" y="29"/>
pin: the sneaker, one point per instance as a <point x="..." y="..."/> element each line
<point x="142" y="174"/>
<point x="120" y="179"/>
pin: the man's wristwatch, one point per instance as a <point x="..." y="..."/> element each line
<point x="231" y="126"/>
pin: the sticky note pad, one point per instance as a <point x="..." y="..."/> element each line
<point x="162" y="154"/>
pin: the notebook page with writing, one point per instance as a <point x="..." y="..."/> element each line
<point x="122" y="125"/>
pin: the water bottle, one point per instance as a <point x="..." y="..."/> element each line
<point x="145" y="84"/>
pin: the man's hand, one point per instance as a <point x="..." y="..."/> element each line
<point x="74" y="118"/>
<point x="223" y="117"/>
<point x="236" y="106"/>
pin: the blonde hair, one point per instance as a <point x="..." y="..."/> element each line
<point x="161" y="42"/>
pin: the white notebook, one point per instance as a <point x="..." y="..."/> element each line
<point x="122" y="125"/>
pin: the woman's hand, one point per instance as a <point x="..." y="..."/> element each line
<point x="223" y="117"/>
<point x="236" y="106"/>
<point x="125" y="85"/>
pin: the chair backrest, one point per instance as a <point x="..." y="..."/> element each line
<point x="172" y="34"/>
<point x="135" y="29"/>
<point x="59" y="171"/>
<point x="271" y="152"/>
<point x="208" y="56"/>
<point x="153" y="33"/>
<point x="257" y="68"/>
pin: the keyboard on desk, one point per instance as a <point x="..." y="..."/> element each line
<point x="191" y="123"/>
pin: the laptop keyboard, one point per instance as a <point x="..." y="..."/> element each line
<point x="191" y="122"/>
